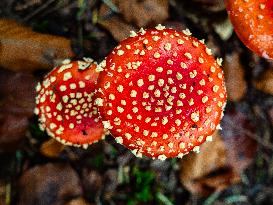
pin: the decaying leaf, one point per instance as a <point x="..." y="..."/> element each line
<point x="234" y="76"/>
<point x="23" y="49"/>
<point x="50" y="184"/>
<point x="134" y="14"/>
<point x="51" y="148"/>
<point x="239" y="135"/>
<point x="117" y="27"/>
<point x="207" y="171"/>
<point x="145" y="12"/>
<point x="17" y="102"/>
<point x="220" y="162"/>
<point x="265" y="83"/>
<point x="78" y="201"/>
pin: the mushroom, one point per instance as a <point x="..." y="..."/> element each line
<point x="65" y="103"/>
<point x="161" y="93"/>
<point x="253" y="23"/>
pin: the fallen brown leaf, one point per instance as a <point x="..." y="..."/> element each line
<point x="234" y="76"/>
<point x="79" y="201"/>
<point x="239" y="135"/>
<point x="145" y="12"/>
<point x="51" y="148"/>
<point x="139" y="13"/>
<point x="117" y="27"/>
<point x="220" y="162"/>
<point x="265" y="82"/>
<point x="17" y="102"/>
<point x="208" y="171"/>
<point x="23" y="49"/>
<point x="50" y="184"/>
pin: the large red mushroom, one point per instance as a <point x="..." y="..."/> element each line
<point x="65" y="103"/>
<point x="253" y="23"/>
<point x="162" y="93"/>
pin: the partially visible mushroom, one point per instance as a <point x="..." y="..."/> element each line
<point x="253" y="23"/>
<point x="161" y="93"/>
<point x="65" y="103"/>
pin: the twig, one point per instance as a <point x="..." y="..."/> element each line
<point x="41" y="8"/>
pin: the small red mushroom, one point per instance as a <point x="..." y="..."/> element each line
<point x="65" y="103"/>
<point x="161" y="93"/>
<point x="253" y="23"/>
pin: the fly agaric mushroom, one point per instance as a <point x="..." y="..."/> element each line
<point x="253" y="23"/>
<point x="161" y="93"/>
<point x="65" y="103"/>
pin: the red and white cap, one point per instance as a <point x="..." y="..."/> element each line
<point x="65" y="103"/>
<point x="162" y="93"/>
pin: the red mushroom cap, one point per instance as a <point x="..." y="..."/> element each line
<point x="253" y="23"/>
<point x="65" y="103"/>
<point x="161" y="93"/>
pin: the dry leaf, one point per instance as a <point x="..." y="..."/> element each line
<point x="23" y="49"/>
<point x="208" y="171"/>
<point x="117" y="27"/>
<point x="50" y="184"/>
<point x="239" y="137"/>
<point x="220" y="162"/>
<point x="145" y="12"/>
<point x="140" y="13"/>
<point x="234" y="76"/>
<point x="51" y="148"/>
<point x="17" y="102"/>
<point x="78" y="201"/>
<point x="265" y="83"/>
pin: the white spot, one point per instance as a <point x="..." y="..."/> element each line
<point x="164" y="120"/>
<point x="71" y="125"/>
<point x="119" y="140"/>
<point x="195" y="116"/>
<point x="160" y="27"/>
<point x="133" y="34"/>
<point x="179" y="76"/>
<point x="205" y="99"/>
<point x="99" y="102"/>
<point x="157" y="93"/>
<point x="187" y="32"/>
<point x="193" y="74"/>
<point x="120" y="88"/>
<point x="62" y="88"/>
<point x="140" y="82"/>
<point x="133" y="94"/>
<point x="81" y="84"/>
<point x="162" y="157"/>
<point x="128" y="136"/>
<point x="151" y="77"/>
<point x="72" y="86"/>
<point x="156" y="55"/>
<point x="67" y="76"/>
<point x="183" y="65"/>
<point x="59" y="106"/>
<point x="160" y="82"/>
<point x="168" y="46"/>
<point x="196" y="149"/>
<point x="159" y="69"/>
<point x="188" y="55"/>
<point x="120" y="109"/>
<point x="215" y="88"/>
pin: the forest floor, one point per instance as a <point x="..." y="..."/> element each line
<point x="35" y="171"/>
